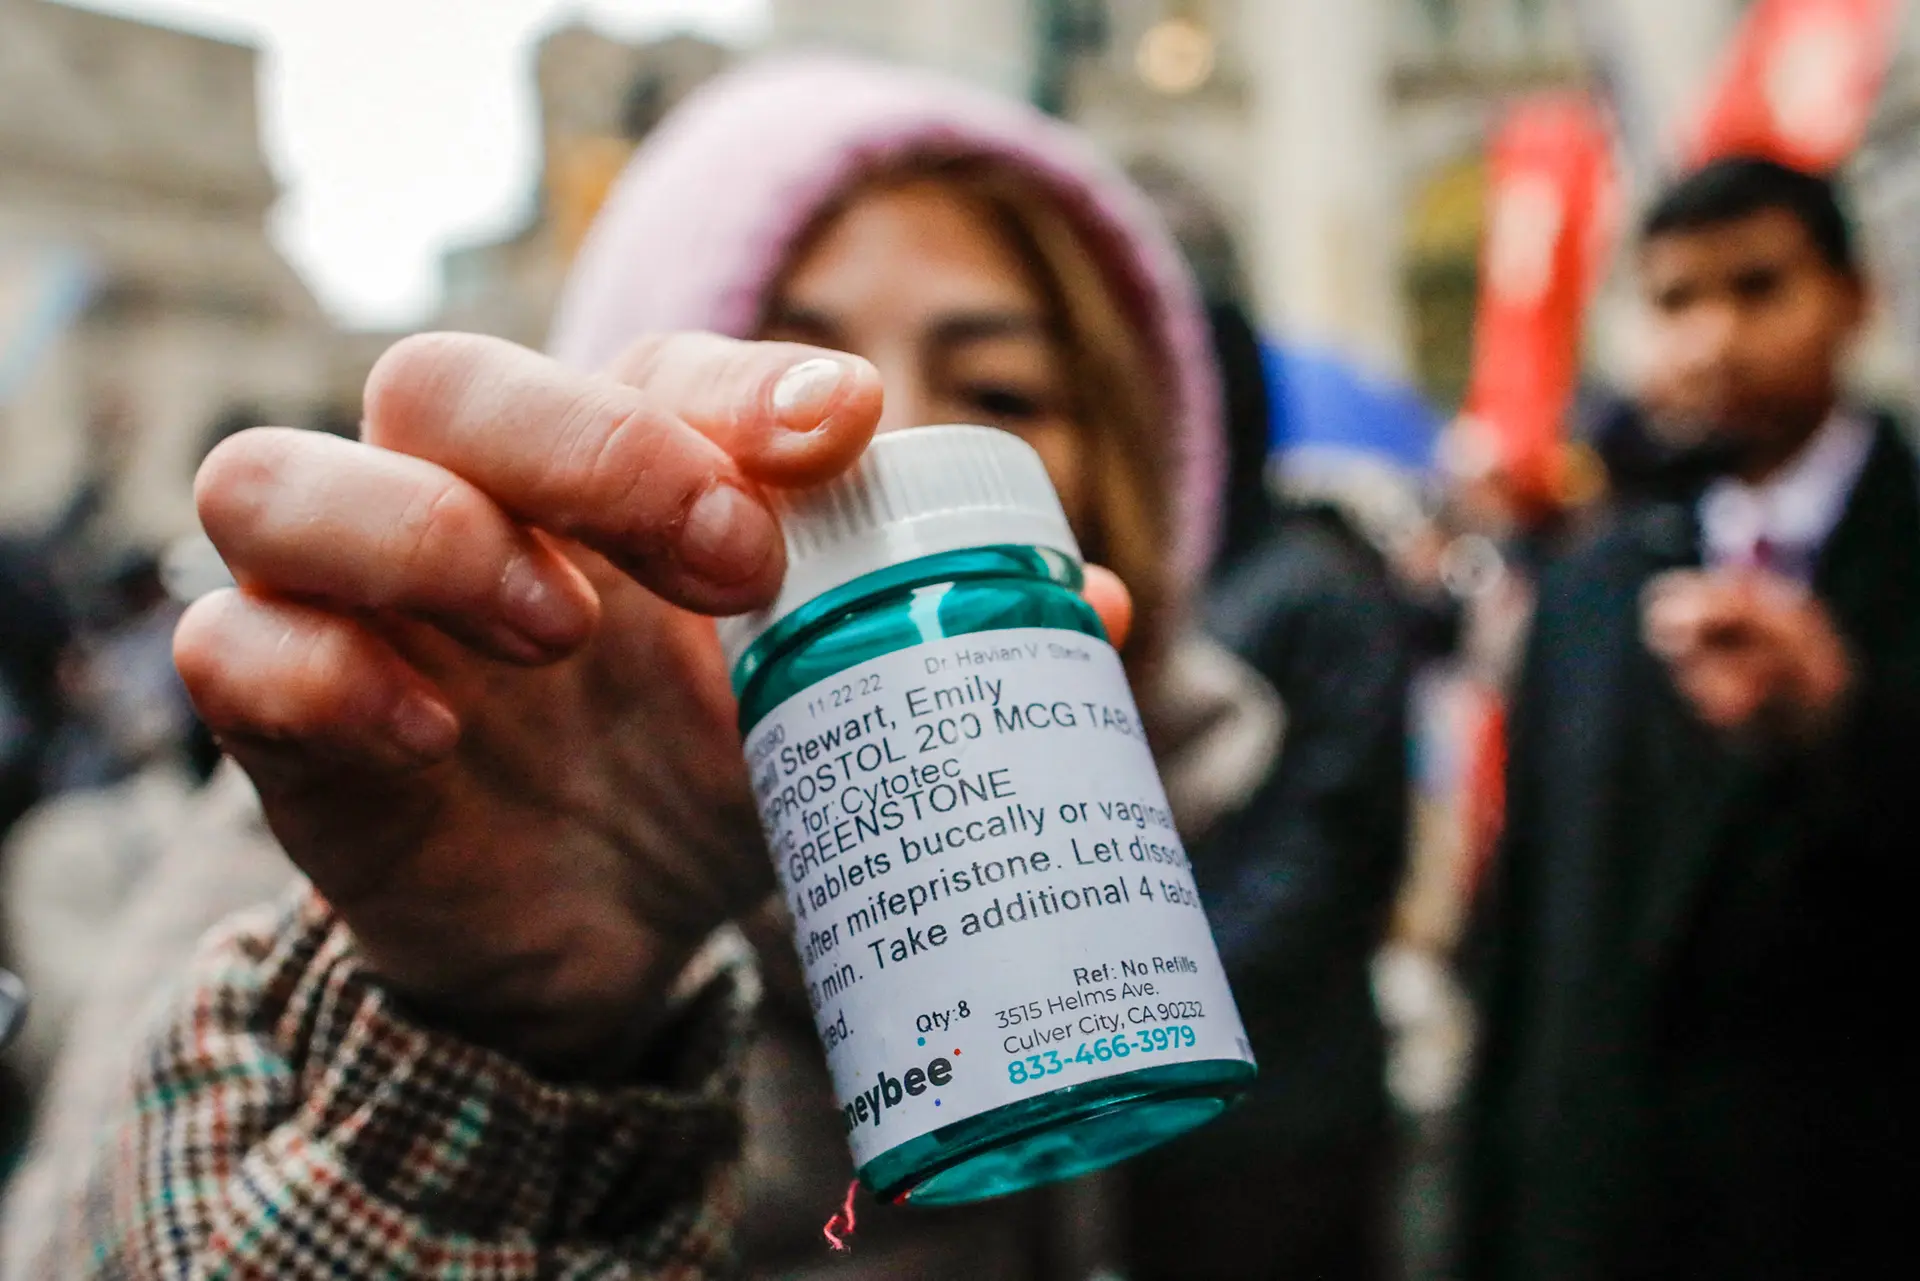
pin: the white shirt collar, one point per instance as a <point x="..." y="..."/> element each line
<point x="1798" y="507"/>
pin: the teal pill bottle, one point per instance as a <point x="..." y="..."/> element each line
<point x="1002" y="943"/>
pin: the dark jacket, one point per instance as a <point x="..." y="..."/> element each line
<point x="34" y="630"/>
<point x="1298" y="886"/>
<point x="1695" y="958"/>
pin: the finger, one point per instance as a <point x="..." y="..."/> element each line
<point x="1669" y="631"/>
<point x="277" y="672"/>
<point x="1775" y="607"/>
<point x="1737" y="607"/>
<point x="585" y="457"/>
<point x="1726" y="694"/>
<point x="299" y="514"/>
<point x="788" y="414"/>
<point x="1674" y="580"/>
<point x="1671" y="619"/>
<point x="1802" y="655"/>
<point x="1666" y="599"/>
<point x="1112" y="601"/>
<point x="1685" y="614"/>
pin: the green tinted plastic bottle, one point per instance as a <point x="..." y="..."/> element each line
<point x="1004" y="951"/>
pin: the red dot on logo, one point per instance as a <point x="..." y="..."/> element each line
<point x="956" y="1054"/>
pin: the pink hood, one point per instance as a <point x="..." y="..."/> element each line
<point x="709" y="210"/>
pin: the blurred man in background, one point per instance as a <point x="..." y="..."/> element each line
<point x="1695" y="1058"/>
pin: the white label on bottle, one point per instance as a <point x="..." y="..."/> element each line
<point x="989" y="898"/>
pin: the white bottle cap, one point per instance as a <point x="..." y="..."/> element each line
<point x="913" y="493"/>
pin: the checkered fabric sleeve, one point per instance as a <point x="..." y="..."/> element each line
<point x="289" y="1122"/>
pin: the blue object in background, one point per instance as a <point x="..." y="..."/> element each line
<point x="1338" y="436"/>
<point x="43" y="290"/>
<point x="13" y="1007"/>
<point x="1321" y="402"/>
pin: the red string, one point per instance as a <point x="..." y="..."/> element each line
<point x="840" y="1227"/>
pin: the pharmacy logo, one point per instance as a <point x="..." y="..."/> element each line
<point x="888" y="1092"/>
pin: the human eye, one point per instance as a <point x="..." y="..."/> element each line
<point x="1003" y="403"/>
<point x="1758" y="284"/>
<point x="1674" y="299"/>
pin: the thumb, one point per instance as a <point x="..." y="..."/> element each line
<point x="1111" y="600"/>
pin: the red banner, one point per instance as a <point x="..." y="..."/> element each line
<point x="1552" y="215"/>
<point x="1799" y="83"/>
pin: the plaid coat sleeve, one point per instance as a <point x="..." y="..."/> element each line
<point x="288" y="1122"/>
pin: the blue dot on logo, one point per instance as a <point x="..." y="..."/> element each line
<point x="923" y="1040"/>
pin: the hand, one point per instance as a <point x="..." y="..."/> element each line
<point x="1751" y="651"/>
<point x="467" y="665"/>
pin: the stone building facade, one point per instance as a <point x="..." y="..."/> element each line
<point x="598" y="97"/>
<point x="135" y="150"/>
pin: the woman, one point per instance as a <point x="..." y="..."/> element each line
<point x="1030" y="264"/>
<point x="469" y="675"/>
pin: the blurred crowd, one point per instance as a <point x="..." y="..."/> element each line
<point x="1557" y="847"/>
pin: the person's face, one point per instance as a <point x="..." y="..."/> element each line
<point x="1749" y="327"/>
<point x="917" y="280"/>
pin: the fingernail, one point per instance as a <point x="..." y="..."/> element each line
<point x="536" y="606"/>
<point x="805" y="393"/>
<point x="727" y="536"/>
<point x="425" y="727"/>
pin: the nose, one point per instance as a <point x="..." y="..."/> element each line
<point x="1708" y="342"/>
<point x="909" y="400"/>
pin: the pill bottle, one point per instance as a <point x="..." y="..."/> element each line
<point x="1002" y="944"/>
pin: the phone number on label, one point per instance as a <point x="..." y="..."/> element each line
<point x="1036" y="1067"/>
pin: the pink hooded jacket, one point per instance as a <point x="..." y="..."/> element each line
<point x="710" y="208"/>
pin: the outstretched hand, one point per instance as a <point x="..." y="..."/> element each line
<point x="1752" y="652"/>
<point x="468" y="664"/>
